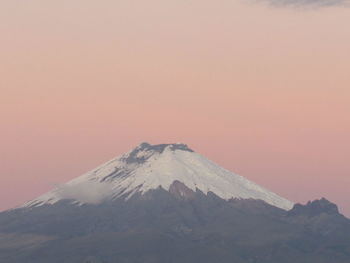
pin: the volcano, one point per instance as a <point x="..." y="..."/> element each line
<point x="172" y="167"/>
<point x="167" y="203"/>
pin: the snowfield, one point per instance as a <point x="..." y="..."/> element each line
<point x="149" y="167"/>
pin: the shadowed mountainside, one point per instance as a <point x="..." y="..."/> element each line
<point x="162" y="226"/>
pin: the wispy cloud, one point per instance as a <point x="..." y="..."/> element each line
<point x="87" y="192"/>
<point x="307" y="3"/>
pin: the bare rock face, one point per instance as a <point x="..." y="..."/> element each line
<point x="180" y="190"/>
<point x="315" y="208"/>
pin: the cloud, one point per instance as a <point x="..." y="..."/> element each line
<point x="307" y="3"/>
<point x="85" y="192"/>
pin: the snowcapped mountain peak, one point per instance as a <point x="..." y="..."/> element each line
<point x="145" y="150"/>
<point x="149" y="167"/>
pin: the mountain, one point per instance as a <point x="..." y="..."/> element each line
<point x="165" y="166"/>
<point x="166" y="203"/>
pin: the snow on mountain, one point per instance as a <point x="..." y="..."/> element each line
<point x="152" y="166"/>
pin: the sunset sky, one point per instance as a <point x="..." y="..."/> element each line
<point x="262" y="89"/>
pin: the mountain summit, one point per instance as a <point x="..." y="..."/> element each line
<point x="172" y="167"/>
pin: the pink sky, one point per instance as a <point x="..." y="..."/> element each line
<point x="264" y="92"/>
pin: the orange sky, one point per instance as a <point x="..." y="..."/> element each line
<point x="262" y="91"/>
